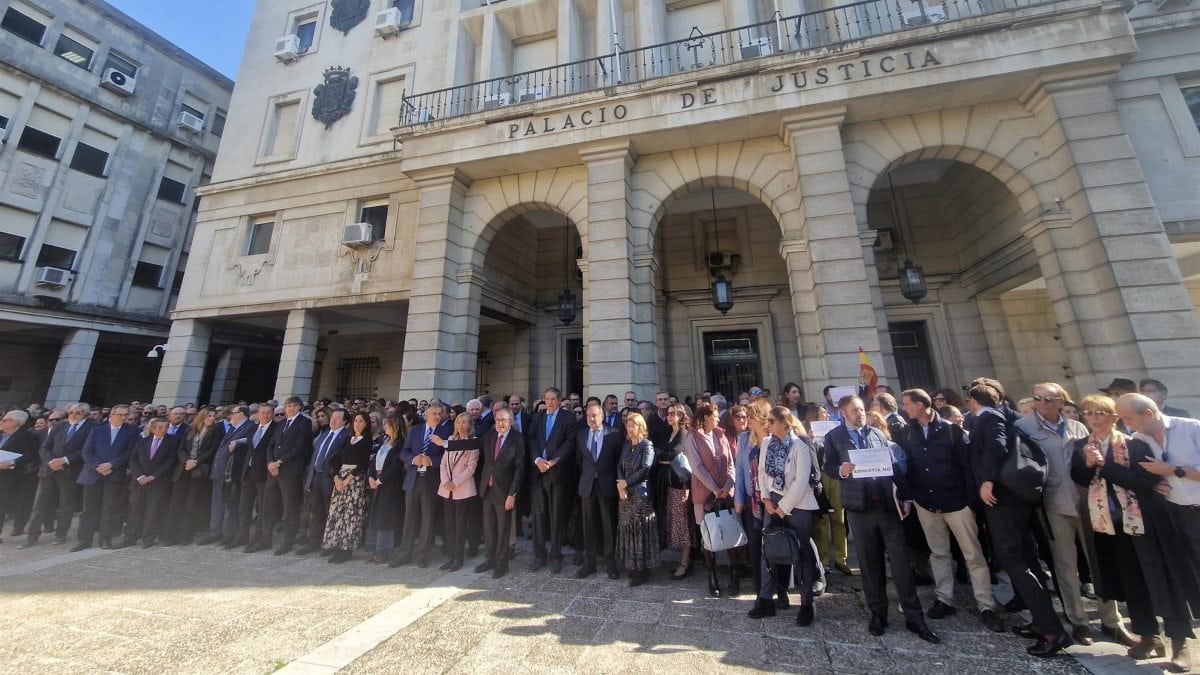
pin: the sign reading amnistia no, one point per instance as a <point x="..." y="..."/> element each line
<point x="879" y="65"/>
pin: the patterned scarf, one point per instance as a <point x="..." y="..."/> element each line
<point x="776" y="462"/>
<point x="1097" y="498"/>
<point x="756" y="505"/>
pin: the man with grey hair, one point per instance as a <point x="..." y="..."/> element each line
<point x="18" y="474"/>
<point x="1175" y="443"/>
<point x="105" y="457"/>
<point x="60" y="459"/>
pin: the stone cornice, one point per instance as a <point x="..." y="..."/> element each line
<point x="814" y="119"/>
<point x="603" y="152"/>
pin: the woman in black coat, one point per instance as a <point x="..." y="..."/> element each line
<point x="191" y="490"/>
<point x="385" y="478"/>
<point x="1129" y="534"/>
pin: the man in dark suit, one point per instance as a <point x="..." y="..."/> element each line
<point x="254" y="479"/>
<point x="871" y="513"/>
<point x="597" y="451"/>
<point x="105" y="457"/>
<point x="656" y="422"/>
<point x="612" y="412"/>
<point x="286" y="463"/>
<point x="551" y="442"/>
<point x="177" y="422"/>
<point x="231" y="455"/>
<point x="521" y="418"/>
<point x="1008" y="518"/>
<point x="421" y="458"/>
<point x="60" y="459"/>
<point x="502" y="450"/>
<point x="318" y="478"/>
<point x="150" y="467"/>
<point x="16" y="474"/>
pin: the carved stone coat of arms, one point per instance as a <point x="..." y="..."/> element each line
<point x="333" y="99"/>
<point x="347" y="14"/>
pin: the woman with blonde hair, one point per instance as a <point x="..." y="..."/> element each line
<point x="637" y="527"/>
<point x="457" y="489"/>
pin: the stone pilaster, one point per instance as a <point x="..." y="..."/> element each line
<point x="225" y="377"/>
<point x="619" y="282"/>
<point x="836" y="315"/>
<point x="1116" y="288"/>
<point x="1005" y="366"/>
<point x="299" y="356"/>
<point x="71" y="371"/>
<point x="182" y="370"/>
<point x="442" y="335"/>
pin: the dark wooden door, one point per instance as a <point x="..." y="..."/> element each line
<point x="910" y="348"/>
<point x="732" y="362"/>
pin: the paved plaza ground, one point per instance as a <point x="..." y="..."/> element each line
<point x="206" y="610"/>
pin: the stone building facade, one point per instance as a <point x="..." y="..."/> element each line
<point x="107" y="130"/>
<point x="1037" y="159"/>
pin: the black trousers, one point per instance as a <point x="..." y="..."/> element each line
<point x="55" y="494"/>
<point x="147" y="508"/>
<point x="496" y="527"/>
<point x="281" y="506"/>
<point x="876" y="531"/>
<point x="474" y="526"/>
<point x="101" y="504"/>
<point x="250" y="511"/>
<point x="1009" y="525"/>
<point x="454" y="512"/>
<point x="420" y="509"/>
<point x="19" y="490"/>
<point x="231" y="503"/>
<point x="599" y="524"/>
<point x="777" y="575"/>
<point x="773" y="579"/>
<point x="552" y="502"/>
<point x="189" y="510"/>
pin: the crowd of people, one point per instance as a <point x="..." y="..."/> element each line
<point x="926" y="486"/>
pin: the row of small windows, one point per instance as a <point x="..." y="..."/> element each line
<point x="145" y="274"/>
<point x="304" y="27"/>
<point x="374" y="213"/>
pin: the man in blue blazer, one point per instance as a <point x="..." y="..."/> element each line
<point x="105" y="456"/>
<point x="421" y="459"/>
<point x="231" y="454"/>
<point x="551" y="441"/>
<point x="286" y="463"/>
<point x="318" y="478"/>
<point x="597" y="451"/>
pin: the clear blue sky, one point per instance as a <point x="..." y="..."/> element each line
<point x="213" y="31"/>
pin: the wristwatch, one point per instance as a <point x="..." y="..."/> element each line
<point x="1179" y="472"/>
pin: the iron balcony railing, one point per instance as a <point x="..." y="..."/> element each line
<point x="795" y="34"/>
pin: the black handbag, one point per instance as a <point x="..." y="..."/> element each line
<point x="1024" y="472"/>
<point x="780" y="545"/>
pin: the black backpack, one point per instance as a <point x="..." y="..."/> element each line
<point x="1025" y="470"/>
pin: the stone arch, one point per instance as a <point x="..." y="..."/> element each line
<point x="762" y="167"/>
<point x="1001" y="140"/>
<point x="490" y="203"/>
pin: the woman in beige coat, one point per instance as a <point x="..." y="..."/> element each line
<point x="457" y="489"/>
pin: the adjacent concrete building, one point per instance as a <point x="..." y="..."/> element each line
<point x="467" y="196"/>
<point x="107" y="130"/>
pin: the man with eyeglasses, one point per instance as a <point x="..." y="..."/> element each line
<point x="1157" y="391"/>
<point x="631" y="399"/>
<point x="1055" y="434"/>
<point x="61" y="459"/>
<point x="105" y="457"/>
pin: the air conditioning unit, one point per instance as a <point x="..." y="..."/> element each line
<point x="117" y="81"/>
<point x="54" y="277"/>
<point x="535" y="93"/>
<point x="287" y="48"/>
<point x="721" y="261"/>
<point x="756" y="48"/>
<point x="498" y="100"/>
<point x="190" y="123"/>
<point x="390" y="22"/>
<point x="357" y="235"/>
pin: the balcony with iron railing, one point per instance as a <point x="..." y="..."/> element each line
<point x="800" y="34"/>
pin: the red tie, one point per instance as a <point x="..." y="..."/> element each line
<point x="495" y="456"/>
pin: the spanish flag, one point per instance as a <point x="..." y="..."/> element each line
<point x="867" y="378"/>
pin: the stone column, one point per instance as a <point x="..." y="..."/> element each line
<point x="831" y="294"/>
<point x="183" y="363"/>
<point x="866" y="238"/>
<point x="299" y="355"/>
<point x="443" y="310"/>
<point x="1117" y="291"/>
<point x="225" y="378"/>
<point x="71" y="371"/>
<point x="619" y="331"/>
<point x="1003" y="354"/>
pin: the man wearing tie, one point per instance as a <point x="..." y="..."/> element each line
<point x="231" y="455"/>
<point x="105" y="456"/>
<point x="176" y="422"/>
<point x="597" y="451"/>
<point x="612" y="417"/>
<point x="287" y="460"/>
<point x="61" y="458"/>
<point x="871" y="513"/>
<point x="502" y="451"/>
<point x="551" y="447"/>
<point x="150" y="468"/>
<point x="254" y="480"/>
<point x="16" y="473"/>
<point x="520" y="418"/>
<point x="421" y="459"/>
<point x="318" y="479"/>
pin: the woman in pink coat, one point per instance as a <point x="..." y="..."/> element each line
<point x="457" y="488"/>
<point x="711" y="457"/>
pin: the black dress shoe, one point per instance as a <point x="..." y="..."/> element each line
<point x="80" y="547"/>
<point x="585" y="571"/>
<point x="499" y="572"/>
<point x="878" y="624"/>
<point x="990" y="621"/>
<point x="446" y="565"/>
<point x="537" y="564"/>
<point x="1046" y="648"/>
<point x="782" y="601"/>
<point x="613" y="572"/>
<point x="637" y="578"/>
<point x="124" y="543"/>
<point x="940" y="610"/>
<point x="284" y="549"/>
<point x="577" y="560"/>
<point x="106" y="544"/>
<point x="256" y="547"/>
<point x="423" y="562"/>
<point x="484" y="566"/>
<point x="309" y="548"/>
<point x="229" y="545"/>
<point x="555" y="566"/>
<point x="1027" y="630"/>
<point x="456" y="565"/>
<point x="169" y="542"/>
<point x="148" y="543"/>
<point x="1015" y="605"/>
<point x="761" y="609"/>
<point x="922" y="631"/>
<point x="210" y="539"/>
<point x="804" y="617"/>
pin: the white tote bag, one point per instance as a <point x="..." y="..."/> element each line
<point x="722" y="530"/>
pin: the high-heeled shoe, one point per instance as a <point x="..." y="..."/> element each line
<point x="714" y="584"/>
<point x="682" y="572"/>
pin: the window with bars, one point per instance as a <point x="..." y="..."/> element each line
<point x="357" y="377"/>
